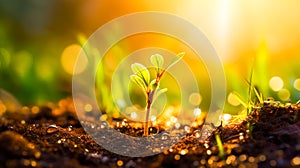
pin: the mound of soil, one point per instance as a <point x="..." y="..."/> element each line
<point x="51" y="136"/>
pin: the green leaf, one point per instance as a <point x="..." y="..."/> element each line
<point x="141" y="71"/>
<point x="176" y="59"/>
<point x="159" y="92"/>
<point x="138" y="80"/>
<point x="158" y="61"/>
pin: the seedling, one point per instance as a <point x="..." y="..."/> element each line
<point x="220" y="146"/>
<point x="254" y="97"/>
<point x="151" y="89"/>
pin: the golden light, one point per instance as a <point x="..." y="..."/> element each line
<point x="120" y="163"/>
<point x="184" y="152"/>
<point x="195" y="99"/>
<point x="232" y="99"/>
<point x="297" y="84"/>
<point x="276" y="83"/>
<point x="177" y="157"/>
<point x="222" y="26"/>
<point x="69" y="58"/>
<point x="88" y="107"/>
<point x="284" y="94"/>
<point x="295" y="161"/>
<point x="2" y="108"/>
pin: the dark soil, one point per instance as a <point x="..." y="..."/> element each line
<point x="52" y="136"/>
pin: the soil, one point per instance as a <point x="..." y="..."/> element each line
<point x="52" y="136"/>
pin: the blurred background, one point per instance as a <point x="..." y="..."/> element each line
<point x="39" y="42"/>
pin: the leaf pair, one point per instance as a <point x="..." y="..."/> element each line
<point x="158" y="61"/>
<point x="141" y="74"/>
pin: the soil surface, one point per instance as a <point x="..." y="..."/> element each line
<point x="52" y="136"/>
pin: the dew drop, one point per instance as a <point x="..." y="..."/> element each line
<point x="70" y="128"/>
<point x="52" y="129"/>
<point x="165" y="136"/>
<point x="153" y="130"/>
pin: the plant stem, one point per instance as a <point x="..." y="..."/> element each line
<point x="146" y="125"/>
<point x="150" y="96"/>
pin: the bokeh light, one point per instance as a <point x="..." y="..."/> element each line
<point x="276" y="83"/>
<point x="232" y="99"/>
<point x="38" y="47"/>
<point x="297" y="84"/>
<point x="284" y="94"/>
<point x="197" y="111"/>
<point x="195" y="99"/>
<point x="69" y="58"/>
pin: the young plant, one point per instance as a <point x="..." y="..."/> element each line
<point x="220" y="146"/>
<point x="254" y="97"/>
<point x="151" y="88"/>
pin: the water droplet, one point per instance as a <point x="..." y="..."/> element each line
<point x="103" y="124"/>
<point x="52" y="129"/>
<point x="153" y="130"/>
<point x="70" y="128"/>
<point x="165" y="136"/>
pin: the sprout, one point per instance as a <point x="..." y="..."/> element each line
<point x="141" y="77"/>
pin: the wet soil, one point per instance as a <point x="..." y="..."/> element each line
<point x="52" y="136"/>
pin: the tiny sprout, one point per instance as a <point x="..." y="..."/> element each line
<point x="141" y="77"/>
